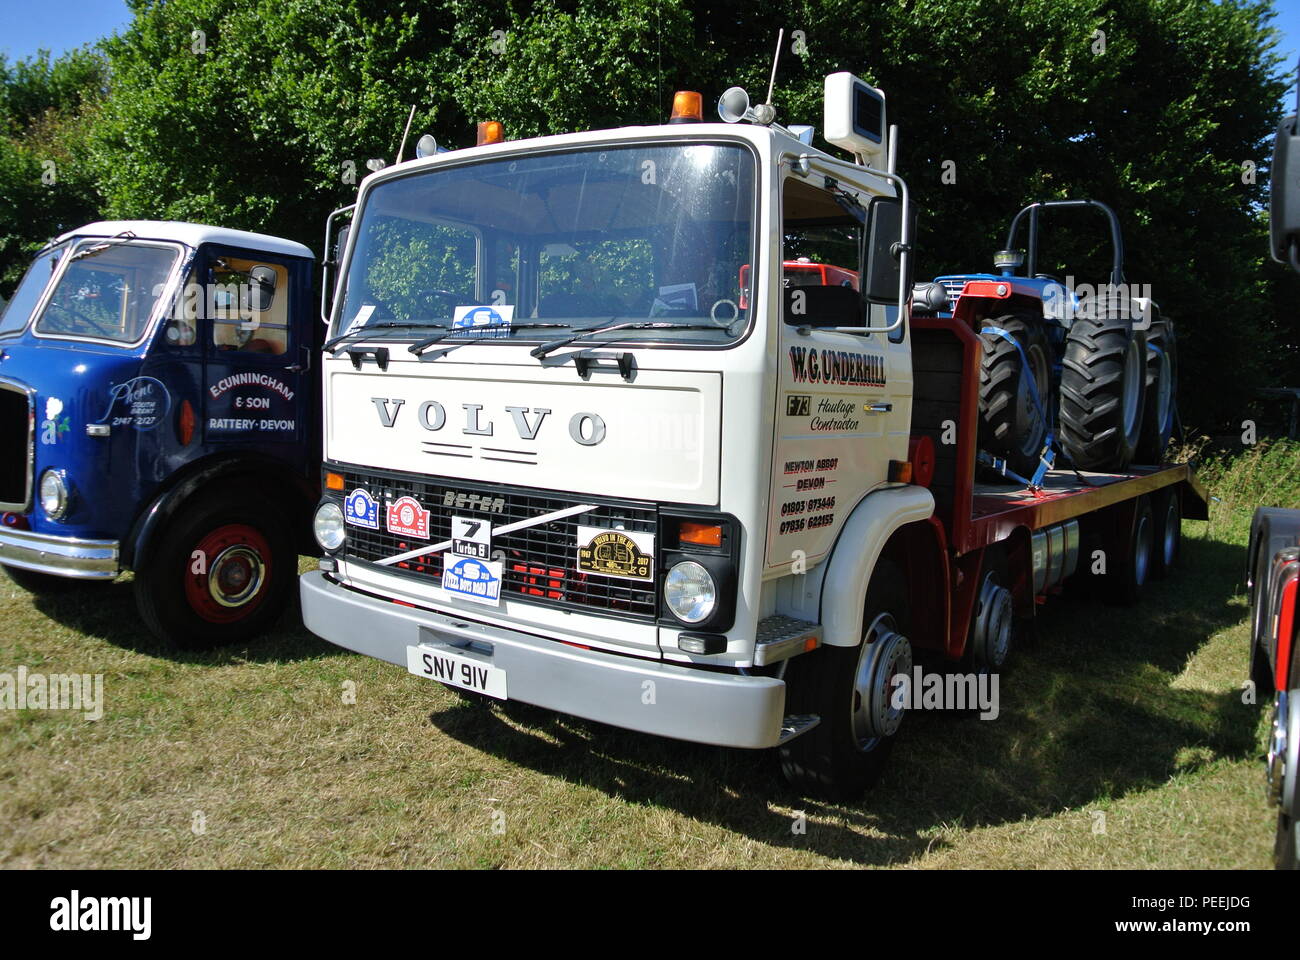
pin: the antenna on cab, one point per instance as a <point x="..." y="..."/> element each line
<point x="402" y="149"/>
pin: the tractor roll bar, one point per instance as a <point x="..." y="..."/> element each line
<point x="1116" y="238"/>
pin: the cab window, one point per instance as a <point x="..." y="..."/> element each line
<point x="249" y="306"/>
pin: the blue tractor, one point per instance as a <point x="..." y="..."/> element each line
<point x="1087" y="372"/>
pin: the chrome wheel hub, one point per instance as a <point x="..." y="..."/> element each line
<point x="885" y="653"/>
<point x="235" y="575"/>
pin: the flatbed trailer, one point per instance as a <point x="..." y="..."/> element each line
<point x="972" y="514"/>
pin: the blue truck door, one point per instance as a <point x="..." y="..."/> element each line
<point x="255" y="361"/>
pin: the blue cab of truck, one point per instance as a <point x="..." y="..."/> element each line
<point x="159" y="414"/>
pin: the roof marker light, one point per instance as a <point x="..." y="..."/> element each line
<point x="688" y="107"/>
<point x="490" y="131"/>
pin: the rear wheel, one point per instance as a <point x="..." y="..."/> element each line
<point x="852" y="690"/>
<point x="1012" y="425"/>
<point x="220" y="574"/>
<point x="1158" y="409"/>
<point x="1283" y="776"/>
<point x="1129" y="575"/>
<point x="1168" y="534"/>
<point x="1103" y="386"/>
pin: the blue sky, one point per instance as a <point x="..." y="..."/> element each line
<point x="60" y="25"/>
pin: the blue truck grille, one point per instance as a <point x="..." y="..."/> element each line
<point x="539" y="563"/>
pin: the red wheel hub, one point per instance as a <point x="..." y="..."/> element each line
<point x="227" y="573"/>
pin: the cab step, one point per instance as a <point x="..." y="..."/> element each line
<point x="797" y="724"/>
<point x="780" y="637"/>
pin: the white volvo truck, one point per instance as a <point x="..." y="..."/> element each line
<point x="598" y="438"/>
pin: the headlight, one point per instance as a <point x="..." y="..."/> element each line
<point x="328" y="526"/>
<point x="690" y="592"/>
<point x="54" y="494"/>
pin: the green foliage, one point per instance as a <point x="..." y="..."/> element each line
<point x="247" y="113"/>
<point x="46" y="183"/>
<point x="1266" y="474"/>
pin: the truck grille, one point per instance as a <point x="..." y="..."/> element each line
<point x="954" y="288"/>
<point x="539" y="563"/>
<point x="15" y="448"/>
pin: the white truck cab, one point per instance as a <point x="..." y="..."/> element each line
<point x="618" y="423"/>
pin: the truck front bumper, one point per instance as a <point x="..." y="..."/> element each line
<point x="61" y="556"/>
<point x="669" y="700"/>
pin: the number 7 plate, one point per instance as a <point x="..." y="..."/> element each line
<point x="456" y="670"/>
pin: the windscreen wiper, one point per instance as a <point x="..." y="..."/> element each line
<point x="502" y="334"/>
<point x="117" y="238"/>
<point x="361" y="332"/>
<point x="552" y="345"/>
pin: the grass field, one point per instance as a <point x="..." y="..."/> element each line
<point x="1122" y="742"/>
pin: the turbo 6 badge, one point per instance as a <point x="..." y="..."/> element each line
<point x="471" y="537"/>
<point x="360" y="510"/>
<point x="407" y="518"/>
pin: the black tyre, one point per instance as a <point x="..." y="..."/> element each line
<point x="1168" y="533"/>
<point x="1103" y="386"/>
<point x="220" y="574"/>
<point x="850" y="688"/>
<point x="1011" y="424"/>
<point x="1129" y="572"/>
<point x="43" y="584"/>
<point x="1285" y="842"/>
<point x="1159" y="409"/>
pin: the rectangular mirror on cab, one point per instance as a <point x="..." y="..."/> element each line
<point x="261" y="288"/>
<point x="342" y="243"/>
<point x="1284" y="201"/>
<point x="884" y="232"/>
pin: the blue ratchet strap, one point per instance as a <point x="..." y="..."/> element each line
<point x="1047" y="458"/>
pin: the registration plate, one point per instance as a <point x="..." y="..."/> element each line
<point x="456" y="670"/>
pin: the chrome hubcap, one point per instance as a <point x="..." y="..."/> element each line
<point x="993" y="624"/>
<point x="235" y="576"/>
<point x="1275" y="763"/>
<point x="885" y="653"/>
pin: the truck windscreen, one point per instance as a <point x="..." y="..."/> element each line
<point x="567" y="241"/>
<point x="109" y="291"/>
<point x="19" y="310"/>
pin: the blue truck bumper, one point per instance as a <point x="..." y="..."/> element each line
<point x="61" y="556"/>
<point x="666" y="699"/>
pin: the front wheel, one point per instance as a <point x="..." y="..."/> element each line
<point x="221" y="574"/>
<point x="1282" y="766"/>
<point x="852" y="690"/>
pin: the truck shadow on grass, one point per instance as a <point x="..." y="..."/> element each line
<point x="107" y="611"/>
<point x="1088" y="714"/>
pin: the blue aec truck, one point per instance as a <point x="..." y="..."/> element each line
<point x="159" y="413"/>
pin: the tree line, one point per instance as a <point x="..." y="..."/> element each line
<point x="263" y="115"/>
